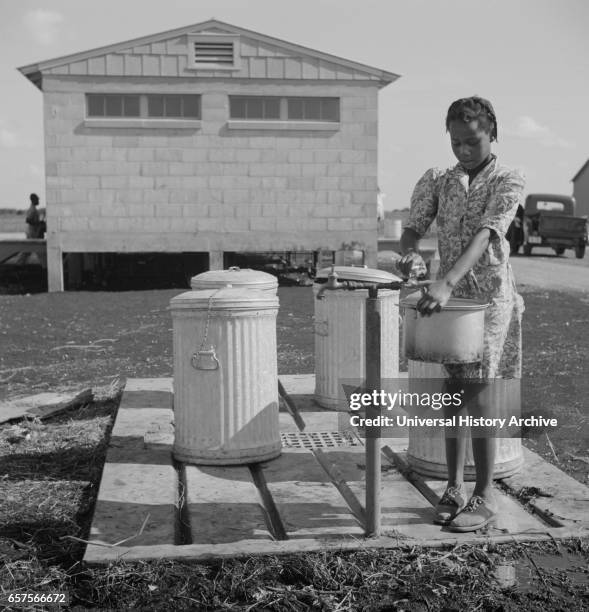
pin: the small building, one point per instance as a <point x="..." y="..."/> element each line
<point x="208" y="139"/>
<point x="581" y="190"/>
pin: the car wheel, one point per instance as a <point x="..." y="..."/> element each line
<point x="559" y="250"/>
<point x="527" y="249"/>
<point x="580" y="251"/>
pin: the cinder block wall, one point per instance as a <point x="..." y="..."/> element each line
<point x="211" y="189"/>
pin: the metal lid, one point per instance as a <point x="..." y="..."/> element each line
<point x="236" y="277"/>
<point x="455" y="304"/>
<point x="352" y="273"/>
<point x="224" y="298"/>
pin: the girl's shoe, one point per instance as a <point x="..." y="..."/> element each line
<point x="477" y="513"/>
<point x="450" y="504"/>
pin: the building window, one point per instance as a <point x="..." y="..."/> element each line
<point x="174" y="106"/>
<point x="284" y="109"/>
<point x="143" y="106"/>
<point x="313" y="109"/>
<point x="113" y="105"/>
<point x="254" y="107"/>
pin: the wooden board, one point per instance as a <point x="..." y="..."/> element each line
<point x="326" y="420"/>
<point x="298" y="384"/>
<point x="147" y="399"/>
<point x="129" y="494"/>
<point x="138" y="484"/>
<point x="307" y="501"/>
<point x="131" y="422"/>
<point x="246" y="549"/>
<point x="567" y="499"/>
<point x="149" y="384"/>
<point x="223" y="505"/>
<point x="42" y="405"/>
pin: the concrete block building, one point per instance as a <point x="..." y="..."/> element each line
<point x="208" y="139"/>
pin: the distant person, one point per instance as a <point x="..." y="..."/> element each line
<point x="473" y="202"/>
<point x="36" y="226"/>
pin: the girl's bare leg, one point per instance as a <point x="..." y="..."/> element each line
<point x="483" y="451"/>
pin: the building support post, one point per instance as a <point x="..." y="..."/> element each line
<point x="54" y="268"/>
<point x="215" y="260"/>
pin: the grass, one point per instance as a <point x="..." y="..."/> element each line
<point x="51" y="471"/>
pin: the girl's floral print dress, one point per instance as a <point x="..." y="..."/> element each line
<point x="461" y="210"/>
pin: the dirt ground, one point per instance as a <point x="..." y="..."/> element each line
<point x="71" y="341"/>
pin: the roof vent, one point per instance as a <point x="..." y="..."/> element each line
<point x="213" y="52"/>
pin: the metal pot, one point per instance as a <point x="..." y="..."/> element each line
<point x="453" y="335"/>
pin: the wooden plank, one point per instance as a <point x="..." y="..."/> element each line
<point x="42" y="405"/>
<point x="137" y="485"/>
<point x="200" y="552"/>
<point x="298" y="384"/>
<point x="291" y="406"/>
<point x="308" y="502"/>
<point x="149" y="384"/>
<point x="146" y="399"/>
<point x="223" y="505"/>
<point x="316" y="421"/>
<point x="129" y="494"/>
<point x="10" y="247"/>
<point x="562" y="498"/>
<point x="136" y="422"/>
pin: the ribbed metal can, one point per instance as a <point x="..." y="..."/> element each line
<point x="426" y="452"/>
<point x="340" y="340"/>
<point x="235" y="277"/>
<point x="225" y="376"/>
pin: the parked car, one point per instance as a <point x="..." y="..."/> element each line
<point x="548" y="220"/>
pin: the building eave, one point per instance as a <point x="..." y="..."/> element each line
<point x="32" y="70"/>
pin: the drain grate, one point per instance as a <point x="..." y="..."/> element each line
<point x="318" y="439"/>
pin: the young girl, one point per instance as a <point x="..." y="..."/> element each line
<point x="473" y="203"/>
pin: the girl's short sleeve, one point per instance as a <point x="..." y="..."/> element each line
<point x="505" y="198"/>
<point x="424" y="202"/>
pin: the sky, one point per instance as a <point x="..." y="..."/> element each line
<point x="529" y="57"/>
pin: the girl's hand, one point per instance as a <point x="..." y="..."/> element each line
<point x="434" y="297"/>
<point x="412" y="265"/>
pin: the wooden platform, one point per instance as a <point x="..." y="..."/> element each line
<point x="310" y="498"/>
<point x="10" y="246"/>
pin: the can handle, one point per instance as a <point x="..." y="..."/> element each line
<point x="205" y="360"/>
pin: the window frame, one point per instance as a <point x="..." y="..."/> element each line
<point x="284" y="122"/>
<point x="321" y="100"/>
<point x="250" y="99"/>
<point x="144" y="119"/>
<point x="105" y="97"/>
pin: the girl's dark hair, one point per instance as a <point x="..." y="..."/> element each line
<point x="468" y="109"/>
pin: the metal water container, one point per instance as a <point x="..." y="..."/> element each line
<point x="235" y="277"/>
<point x="225" y="376"/>
<point x="454" y="335"/>
<point x="426" y="452"/>
<point x="340" y="334"/>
